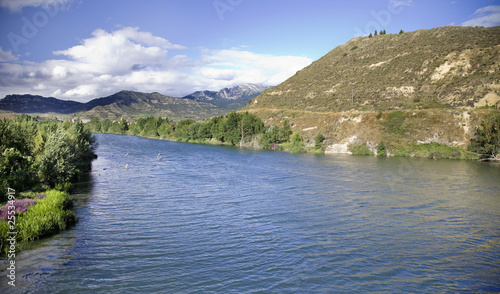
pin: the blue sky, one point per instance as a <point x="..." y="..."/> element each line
<point x="84" y="49"/>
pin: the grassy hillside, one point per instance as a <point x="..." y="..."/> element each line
<point x="428" y="86"/>
<point x="131" y="104"/>
<point x="442" y="67"/>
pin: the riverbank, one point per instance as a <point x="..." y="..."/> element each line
<point x="432" y="133"/>
<point x="33" y="216"/>
<point x="39" y="156"/>
<point x="393" y="149"/>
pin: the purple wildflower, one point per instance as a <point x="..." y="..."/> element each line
<point x="20" y="206"/>
<point x="40" y="196"/>
<point x="4" y="214"/>
<point x="25" y="202"/>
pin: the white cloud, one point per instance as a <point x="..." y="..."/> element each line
<point x="249" y="67"/>
<point x="6" y="56"/>
<point x="488" y="16"/>
<point x="119" y="52"/>
<point x="129" y="59"/>
<point x="18" y="5"/>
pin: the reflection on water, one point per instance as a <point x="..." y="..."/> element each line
<point x="217" y="219"/>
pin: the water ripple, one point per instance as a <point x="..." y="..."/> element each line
<point x="209" y="219"/>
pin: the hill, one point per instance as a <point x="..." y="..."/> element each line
<point x="131" y="104"/>
<point x="230" y="98"/>
<point x="422" y="86"/>
<point x="122" y="104"/>
<point x="442" y="67"/>
<point x="38" y="104"/>
<point x="135" y="104"/>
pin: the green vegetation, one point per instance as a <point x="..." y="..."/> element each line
<point x="42" y="154"/>
<point x="381" y="149"/>
<point x="395" y="123"/>
<point x="296" y="143"/>
<point x="429" y="150"/>
<point x="486" y="140"/>
<point x="37" y="156"/>
<point x="360" y="149"/>
<point x="231" y="129"/>
<point x="319" y="141"/>
<point x="424" y="133"/>
<point x="243" y="129"/>
<point x="46" y="214"/>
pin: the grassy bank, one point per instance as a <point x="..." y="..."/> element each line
<point x="432" y="133"/>
<point x="37" y="216"/>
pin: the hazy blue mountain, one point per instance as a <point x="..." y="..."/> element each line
<point x="233" y="98"/>
<point x="38" y="104"/>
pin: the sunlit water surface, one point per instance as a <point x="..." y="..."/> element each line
<point x="210" y="219"/>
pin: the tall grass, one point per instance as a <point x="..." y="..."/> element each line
<point x="49" y="215"/>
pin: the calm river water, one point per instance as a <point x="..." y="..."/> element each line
<point x="211" y="219"/>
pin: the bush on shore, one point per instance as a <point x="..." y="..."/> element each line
<point x="45" y="214"/>
<point x="47" y="153"/>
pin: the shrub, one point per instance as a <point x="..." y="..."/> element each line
<point x="486" y="139"/>
<point x="381" y="149"/>
<point x="297" y="139"/>
<point x="318" y="141"/>
<point x="58" y="162"/>
<point x="49" y="215"/>
<point x="360" y="149"/>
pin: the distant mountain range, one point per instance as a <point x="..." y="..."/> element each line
<point x="198" y="105"/>
<point x="235" y="97"/>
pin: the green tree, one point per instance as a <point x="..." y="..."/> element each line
<point x="83" y="145"/>
<point x="486" y="139"/>
<point x="250" y="125"/>
<point x="164" y="129"/>
<point x="381" y="149"/>
<point x="401" y="32"/>
<point x="233" y="131"/>
<point x="217" y="127"/>
<point x="182" y="128"/>
<point x="123" y="126"/>
<point x="318" y="141"/>
<point x="106" y="125"/>
<point x="57" y="164"/>
<point x="285" y="131"/>
<point x="15" y="172"/>
<point x="95" y="125"/>
<point x="296" y="138"/>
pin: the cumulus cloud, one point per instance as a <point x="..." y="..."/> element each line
<point x="18" y="5"/>
<point x="488" y="16"/>
<point x="7" y="56"/>
<point x="248" y="67"/>
<point x="131" y="59"/>
<point x="119" y="52"/>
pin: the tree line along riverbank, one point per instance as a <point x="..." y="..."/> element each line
<point x="246" y="129"/>
<point x="39" y="161"/>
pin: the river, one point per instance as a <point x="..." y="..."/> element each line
<point x="212" y="219"/>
